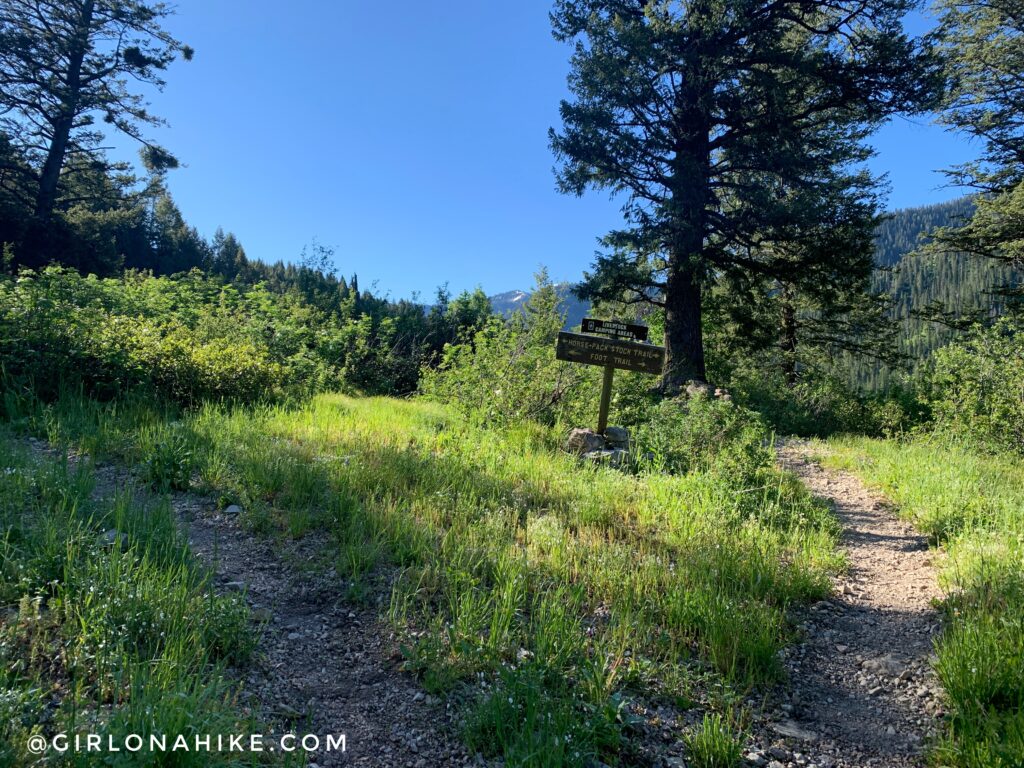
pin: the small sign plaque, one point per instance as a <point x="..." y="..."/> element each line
<point x="611" y="353"/>
<point x="615" y="329"/>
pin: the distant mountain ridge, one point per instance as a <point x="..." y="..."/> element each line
<point x="575" y="310"/>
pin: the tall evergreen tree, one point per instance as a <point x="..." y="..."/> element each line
<point x="65" y="63"/>
<point x="982" y="42"/>
<point x="722" y="124"/>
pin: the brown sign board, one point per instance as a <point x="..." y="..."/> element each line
<point x="593" y="350"/>
<point x="615" y="329"/>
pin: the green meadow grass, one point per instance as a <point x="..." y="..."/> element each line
<point x="108" y="626"/>
<point x="973" y="503"/>
<point x="544" y="594"/>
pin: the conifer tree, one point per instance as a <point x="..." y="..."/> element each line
<point x="982" y="43"/>
<point x="64" y="64"/>
<point x="722" y="124"/>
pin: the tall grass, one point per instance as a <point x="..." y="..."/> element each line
<point x="973" y="503"/>
<point x="109" y="627"/>
<point x="550" y="594"/>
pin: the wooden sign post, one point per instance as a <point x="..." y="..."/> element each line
<point x="624" y="349"/>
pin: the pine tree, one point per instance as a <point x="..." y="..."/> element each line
<point x="982" y="42"/>
<point x="65" y="63"/>
<point x="722" y="124"/>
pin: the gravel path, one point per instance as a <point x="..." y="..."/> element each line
<point x="323" y="665"/>
<point x="861" y="690"/>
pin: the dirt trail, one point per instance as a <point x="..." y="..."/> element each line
<point x="322" y="666"/>
<point x="861" y="691"/>
<point x="325" y="666"/>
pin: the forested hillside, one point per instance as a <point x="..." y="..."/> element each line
<point x="932" y="293"/>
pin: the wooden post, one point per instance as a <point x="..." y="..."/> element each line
<point x="606" y="399"/>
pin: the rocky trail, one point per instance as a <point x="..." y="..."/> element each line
<point x="323" y="665"/>
<point x="860" y="689"/>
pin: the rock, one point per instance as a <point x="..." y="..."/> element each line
<point x="890" y="731"/>
<point x="842" y="648"/>
<point x="235" y="586"/>
<point x="262" y="615"/>
<point x="113" y="536"/>
<point x="887" y="665"/>
<point x="583" y="441"/>
<point x="776" y="764"/>
<point x="617" y="437"/>
<point x="232" y="510"/>
<point x="794" y="731"/>
<point x="288" y="712"/>
<point x="619" y="457"/>
<point x="294" y="635"/>
<point x="697" y="389"/>
<point x="779" y="753"/>
<point x="419" y="696"/>
<point x="755" y="758"/>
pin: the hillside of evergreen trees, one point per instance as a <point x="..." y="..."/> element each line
<point x="934" y="295"/>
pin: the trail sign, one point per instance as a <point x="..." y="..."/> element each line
<point x="615" y="329"/>
<point x="593" y="350"/>
<point x="611" y="353"/>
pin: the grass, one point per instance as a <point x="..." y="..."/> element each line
<point x="108" y="625"/>
<point x="715" y="744"/>
<point x="973" y="503"/>
<point x="547" y="595"/>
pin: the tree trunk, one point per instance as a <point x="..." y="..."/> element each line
<point x="684" y="336"/>
<point x="788" y="339"/>
<point x="65" y="119"/>
<point x="684" y="331"/>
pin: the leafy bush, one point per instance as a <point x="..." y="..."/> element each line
<point x="507" y="371"/>
<point x="684" y="435"/>
<point x="167" y="458"/>
<point x="823" y="404"/>
<point x="186" y="339"/>
<point x="976" y="386"/>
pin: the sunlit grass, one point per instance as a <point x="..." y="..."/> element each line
<point x="109" y="626"/>
<point x="973" y="502"/>
<point x="549" y="593"/>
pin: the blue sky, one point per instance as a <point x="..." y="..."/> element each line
<point x="411" y="137"/>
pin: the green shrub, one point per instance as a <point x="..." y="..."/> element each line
<point x="168" y="458"/>
<point x="976" y="386"/>
<point x="683" y="435"/>
<point x="507" y="371"/>
<point x="823" y="404"/>
<point x="186" y="338"/>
